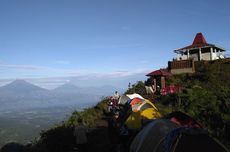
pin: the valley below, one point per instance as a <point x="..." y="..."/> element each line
<point x="24" y="126"/>
<point x="26" y="109"/>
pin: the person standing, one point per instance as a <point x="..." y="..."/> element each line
<point x="116" y="95"/>
<point x="115" y="100"/>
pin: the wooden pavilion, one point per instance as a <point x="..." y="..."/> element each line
<point x="200" y="50"/>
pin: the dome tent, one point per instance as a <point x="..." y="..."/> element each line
<point x="151" y="136"/>
<point x="141" y="111"/>
<point x="125" y="98"/>
<point x="168" y="135"/>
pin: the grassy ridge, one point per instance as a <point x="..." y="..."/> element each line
<point x="60" y="138"/>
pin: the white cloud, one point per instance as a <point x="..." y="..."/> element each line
<point x="114" y="74"/>
<point x="116" y="78"/>
<point x="31" y="71"/>
<point x="21" y="67"/>
<point x="49" y="83"/>
<point x="5" y="81"/>
<point x="126" y="73"/>
<point x="50" y="78"/>
<point x="58" y="72"/>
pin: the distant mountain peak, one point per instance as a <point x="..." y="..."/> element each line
<point x="21" y="85"/>
<point x="67" y="87"/>
<point x="20" y="81"/>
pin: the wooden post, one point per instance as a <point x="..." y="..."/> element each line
<point x="200" y="55"/>
<point x="162" y="82"/>
<point x="188" y="54"/>
<point x="211" y="53"/>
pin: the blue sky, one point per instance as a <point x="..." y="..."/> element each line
<point x="97" y="42"/>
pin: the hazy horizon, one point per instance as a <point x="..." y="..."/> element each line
<point x="101" y="42"/>
<point x="52" y="83"/>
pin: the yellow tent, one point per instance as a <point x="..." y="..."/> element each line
<point x="142" y="113"/>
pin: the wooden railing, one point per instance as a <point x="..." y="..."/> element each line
<point x="181" y="64"/>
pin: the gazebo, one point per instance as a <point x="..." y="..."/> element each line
<point x="159" y="76"/>
<point x="200" y="50"/>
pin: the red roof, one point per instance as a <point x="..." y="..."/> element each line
<point x="199" y="41"/>
<point x="161" y="72"/>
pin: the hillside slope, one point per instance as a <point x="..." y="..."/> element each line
<point x="205" y="97"/>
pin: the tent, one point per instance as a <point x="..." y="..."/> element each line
<point x="165" y="135"/>
<point x="151" y="136"/>
<point x="142" y="112"/>
<point x="135" y="95"/>
<point x="193" y="140"/>
<point x="182" y="119"/>
<point x="125" y="98"/>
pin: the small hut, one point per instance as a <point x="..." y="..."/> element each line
<point x="158" y="77"/>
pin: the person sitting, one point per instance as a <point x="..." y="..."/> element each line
<point x="149" y="89"/>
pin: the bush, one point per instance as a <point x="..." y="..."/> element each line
<point x="206" y="96"/>
<point x="136" y="88"/>
<point x="57" y="139"/>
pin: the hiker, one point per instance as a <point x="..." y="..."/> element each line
<point x="116" y="96"/>
<point x="113" y="103"/>
<point x="110" y="105"/>
<point x="114" y="100"/>
<point x="80" y="132"/>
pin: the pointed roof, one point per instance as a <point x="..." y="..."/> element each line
<point x="199" y="39"/>
<point x="198" y="42"/>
